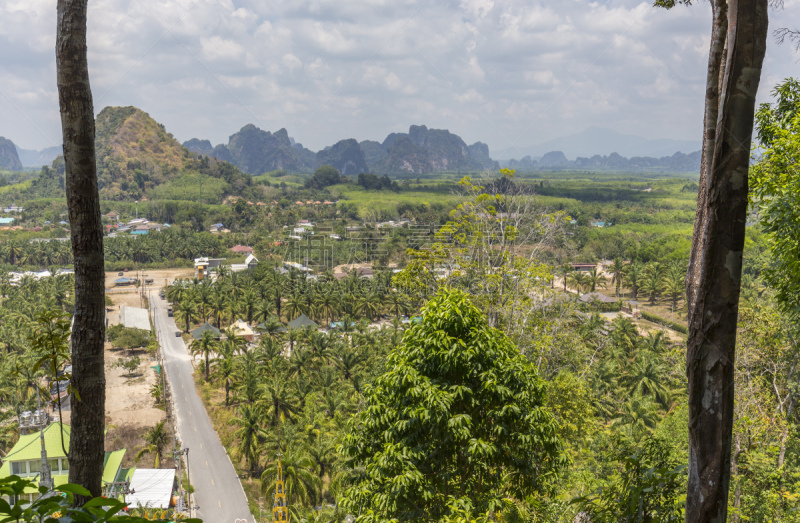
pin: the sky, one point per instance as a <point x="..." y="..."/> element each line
<point x="505" y="72"/>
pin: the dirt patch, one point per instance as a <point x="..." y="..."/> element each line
<point x="160" y="277"/>
<point x="128" y="399"/>
<point x="131" y="437"/>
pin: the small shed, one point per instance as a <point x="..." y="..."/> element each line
<point x="198" y="332"/>
<point x="121" y="282"/>
<point x="302" y="321"/>
<point x="243" y="329"/>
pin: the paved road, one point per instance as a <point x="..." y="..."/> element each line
<point x="218" y="492"/>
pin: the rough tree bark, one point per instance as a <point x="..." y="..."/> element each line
<point x="86" y="232"/>
<point x="714" y="278"/>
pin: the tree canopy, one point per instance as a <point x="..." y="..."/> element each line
<point x="323" y="177"/>
<point x="455" y="425"/>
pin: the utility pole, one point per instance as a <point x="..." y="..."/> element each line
<point x="45" y="478"/>
<point x="188" y="481"/>
<point x="179" y="457"/>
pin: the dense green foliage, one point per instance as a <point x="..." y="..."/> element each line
<point x="324" y="176"/>
<point x="61" y="507"/>
<point x="458" y="420"/>
<point x="776" y="191"/>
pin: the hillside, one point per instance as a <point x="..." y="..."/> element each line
<point x="136" y="156"/>
<point x="9" y="159"/>
<point x="346" y="156"/>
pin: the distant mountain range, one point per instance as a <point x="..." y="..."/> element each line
<point x="136" y="153"/>
<point x="600" y="141"/>
<point x="556" y="160"/>
<point x="419" y="151"/>
<point x="32" y="158"/>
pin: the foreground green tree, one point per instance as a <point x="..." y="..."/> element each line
<point x="456" y="425"/>
<point x="86" y="233"/>
<point x="776" y="191"/>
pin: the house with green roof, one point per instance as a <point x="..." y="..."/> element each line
<point x="25" y="459"/>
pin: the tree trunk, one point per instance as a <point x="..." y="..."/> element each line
<point x="737" y="493"/>
<point x="714" y="277"/>
<point x="86" y="232"/>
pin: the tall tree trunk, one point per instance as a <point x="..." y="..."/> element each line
<point x="737" y="493"/>
<point x="714" y="278"/>
<point x="86" y="232"/>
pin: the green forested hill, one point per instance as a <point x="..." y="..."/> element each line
<point x="136" y="156"/>
<point x="136" y="159"/>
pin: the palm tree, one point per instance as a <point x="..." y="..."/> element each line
<point x="263" y="310"/>
<point x="617" y="274"/>
<point x="246" y="380"/>
<point x="320" y="345"/>
<point x="219" y="302"/>
<point x="578" y="279"/>
<point x="186" y="311"/>
<point x="624" y="335"/>
<point x="156" y="438"/>
<point x="223" y="371"/>
<point x="322" y="450"/>
<point x="370" y="305"/>
<point x="651" y="282"/>
<point x="203" y="296"/>
<point x="205" y="346"/>
<point x="272" y="327"/>
<point x="299" y="361"/>
<point x="633" y="276"/>
<point x="296" y="305"/>
<point x="675" y="285"/>
<point x="564" y="271"/>
<point x="347" y="359"/>
<point x="646" y="376"/>
<point x="249" y="434"/>
<point x="638" y="415"/>
<point x="298" y="476"/>
<point x="595" y="279"/>
<point x="233" y="343"/>
<point x="278" y="400"/>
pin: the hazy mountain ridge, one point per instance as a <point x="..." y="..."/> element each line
<point x="556" y="160"/>
<point x="136" y="153"/>
<point x="33" y="158"/>
<point x="419" y="151"/>
<point x="601" y="141"/>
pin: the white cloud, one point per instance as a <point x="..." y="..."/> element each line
<point x="517" y="71"/>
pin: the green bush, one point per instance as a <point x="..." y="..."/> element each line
<point x="59" y="507"/>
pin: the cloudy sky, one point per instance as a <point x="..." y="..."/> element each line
<point x="506" y="72"/>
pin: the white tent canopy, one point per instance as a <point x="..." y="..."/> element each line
<point x="151" y="488"/>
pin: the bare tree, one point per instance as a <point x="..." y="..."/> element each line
<point x="86" y="232"/>
<point x="738" y="45"/>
